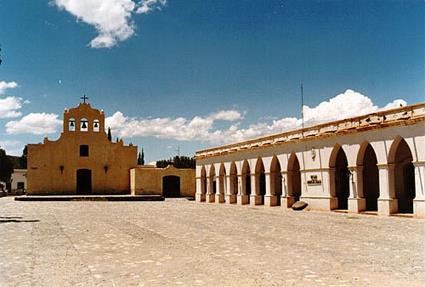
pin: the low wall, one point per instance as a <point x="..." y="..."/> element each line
<point x="149" y="180"/>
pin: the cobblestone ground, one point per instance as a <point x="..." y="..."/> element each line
<point x="184" y="243"/>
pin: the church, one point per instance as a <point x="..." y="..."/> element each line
<point x="83" y="160"/>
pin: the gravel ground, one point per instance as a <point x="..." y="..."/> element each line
<point x="184" y="243"/>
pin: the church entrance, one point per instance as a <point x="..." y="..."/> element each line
<point x="83" y="181"/>
<point x="171" y="186"/>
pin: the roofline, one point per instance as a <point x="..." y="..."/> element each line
<point x="314" y="127"/>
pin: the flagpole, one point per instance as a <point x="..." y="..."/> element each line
<point x="302" y="108"/>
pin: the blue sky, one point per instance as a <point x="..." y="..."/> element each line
<point x="197" y="74"/>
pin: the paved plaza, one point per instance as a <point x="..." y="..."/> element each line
<point x="183" y="243"/>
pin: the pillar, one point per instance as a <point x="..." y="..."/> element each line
<point x="255" y="187"/>
<point x="230" y="194"/>
<point x="242" y="197"/>
<point x="387" y="203"/>
<point x="419" y="200"/>
<point x="199" y="196"/>
<point x="210" y="190"/>
<point x="356" y="203"/>
<point x="219" y="195"/>
<point x="333" y="200"/>
<point x="270" y="198"/>
<point x="286" y="201"/>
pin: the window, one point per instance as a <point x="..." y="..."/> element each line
<point x="84" y="150"/>
<point x="84" y="125"/>
<point x="96" y="126"/>
<point x="71" y="125"/>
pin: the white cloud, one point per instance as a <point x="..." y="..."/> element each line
<point x="345" y="105"/>
<point x="230" y="115"/>
<point x="34" y="123"/>
<point x="10" y="106"/>
<point x="12" y="147"/>
<point x="111" y="18"/>
<point x="395" y="104"/>
<point x="146" y="6"/>
<point x="7" y="85"/>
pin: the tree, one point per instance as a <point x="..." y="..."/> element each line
<point x="24" y="158"/>
<point x="6" y="167"/>
<point x="141" y="158"/>
<point x="109" y="134"/>
<point x="178" y="162"/>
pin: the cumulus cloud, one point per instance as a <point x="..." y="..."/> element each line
<point x="34" y="123"/>
<point x="10" y="106"/>
<point x="7" y="85"/>
<point x="345" y="105"/>
<point x="12" y="147"/>
<point x="111" y="18"/>
<point x="146" y="6"/>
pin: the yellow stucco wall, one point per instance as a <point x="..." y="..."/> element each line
<point x="53" y="165"/>
<point x="149" y="180"/>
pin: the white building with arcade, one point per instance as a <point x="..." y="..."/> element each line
<point x="373" y="163"/>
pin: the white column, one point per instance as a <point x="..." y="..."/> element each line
<point x="419" y="200"/>
<point x="210" y="190"/>
<point x="219" y="192"/>
<point x="230" y="197"/>
<point x="387" y="203"/>
<point x="255" y="187"/>
<point x="242" y="198"/>
<point x="199" y="196"/>
<point x="270" y="199"/>
<point x="285" y="200"/>
<point x="355" y="203"/>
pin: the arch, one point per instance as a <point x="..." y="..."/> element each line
<point x="233" y="179"/>
<point x="71" y="125"/>
<point x="368" y="177"/>
<point x="203" y="180"/>
<point x="402" y="175"/>
<point x="96" y="126"/>
<point x="339" y="177"/>
<point x="246" y="179"/>
<point x="276" y="178"/>
<point x="260" y="179"/>
<point x="294" y="178"/>
<point x="212" y="183"/>
<point x="84" y="125"/>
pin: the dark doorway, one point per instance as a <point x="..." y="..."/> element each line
<point x="404" y="178"/>
<point x="370" y="179"/>
<point x="342" y="176"/>
<point x="294" y="178"/>
<point x="83" y="181"/>
<point x="261" y="177"/>
<point x="171" y="186"/>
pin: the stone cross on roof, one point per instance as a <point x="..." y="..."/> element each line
<point x="84" y="98"/>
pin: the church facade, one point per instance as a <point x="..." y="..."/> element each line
<point x="372" y="163"/>
<point x="82" y="160"/>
